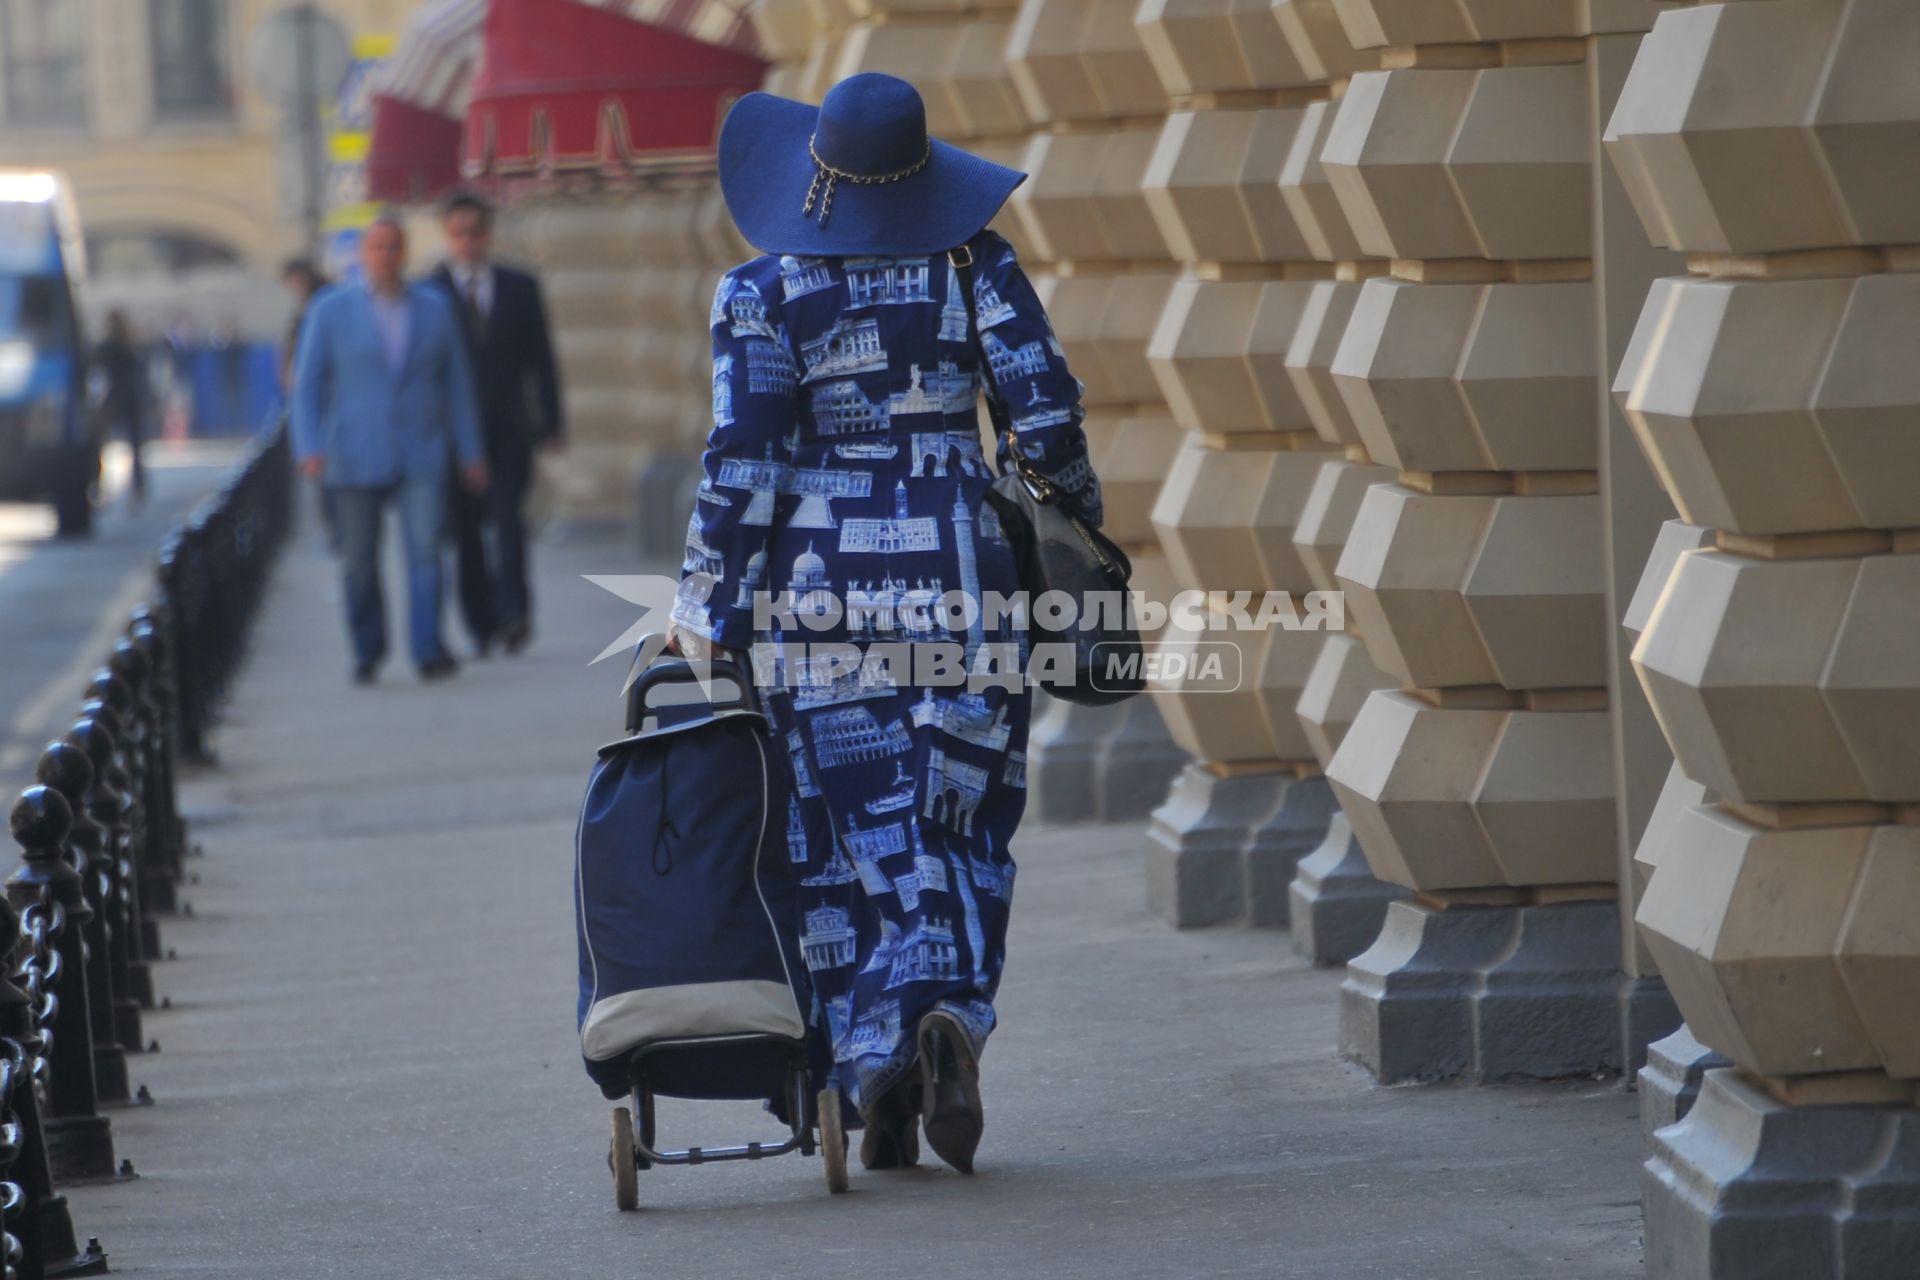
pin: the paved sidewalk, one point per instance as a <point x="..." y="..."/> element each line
<point x="369" y="1068"/>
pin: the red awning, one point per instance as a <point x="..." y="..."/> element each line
<point x="582" y="86"/>
<point x="420" y="102"/>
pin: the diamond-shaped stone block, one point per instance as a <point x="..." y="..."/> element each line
<point x="1105" y="322"/>
<point x="1336" y="688"/>
<point x="1083" y="200"/>
<point x="1675" y="539"/>
<point x="1880" y="949"/>
<point x="1490" y="163"/>
<point x="1326" y="521"/>
<point x="1081" y="60"/>
<point x="1790" y="680"/>
<point x="1537" y="594"/>
<point x="1745" y="925"/>
<point x="1316" y="343"/>
<point x="1815" y="152"/>
<point x="1377" y="23"/>
<point x="1219" y="351"/>
<point x="1309" y="196"/>
<point x="1318" y="40"/>
<point x="1131" y="455"/>
<point x="1217" y="721"/>
<point x="1210" y="46"/>
<point x="978" y="78"/>
<point x="1472" y="377"/>
<point x="1043" y="57"/>
<point x="1226" y="517"/>
<point x="1117" y="62"/>
<point x="1460" y="798"/>
<point x="1213" y="185"/>
<point x="959" y="66"/>
<point x="1456" y="590"/>
<point x="1286" y="663"/>
<point x="1780" y="406"/>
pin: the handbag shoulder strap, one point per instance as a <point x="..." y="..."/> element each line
<point x="961" y="258"/>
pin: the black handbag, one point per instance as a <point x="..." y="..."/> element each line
<point x="1056" y="551"/>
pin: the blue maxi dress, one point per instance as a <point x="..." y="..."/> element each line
<point x="846" y="460"/>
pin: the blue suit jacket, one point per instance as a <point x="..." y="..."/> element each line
<point x="374" y="426"/>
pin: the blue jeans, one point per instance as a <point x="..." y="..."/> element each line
<point x="357" y="512"/>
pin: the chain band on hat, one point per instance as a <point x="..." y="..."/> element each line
<point x="825" y="176"/>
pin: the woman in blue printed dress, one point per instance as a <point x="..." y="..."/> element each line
<point x="844" y="479"/>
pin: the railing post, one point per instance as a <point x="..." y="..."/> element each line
<point x="48" y="1244"/>
<point x="148" y="633"/>
<point x="132" y="981"/>
<point x="66" y="768"/>
<point x="156" y="883"/>
<point x="79" y="1138"/>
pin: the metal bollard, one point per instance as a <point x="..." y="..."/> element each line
<point x="144" y="634"/>
<point x="157" y="889"/>
<point x="132" y="983"/>
<point x="135" y="880"/>
<point x="43" y="1224"/>
<point x="66" y="768"/>
<point x="48" y="894"/>
<point x="129" y="665"/>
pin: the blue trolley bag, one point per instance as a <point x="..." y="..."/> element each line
<point x="683" y="895"/>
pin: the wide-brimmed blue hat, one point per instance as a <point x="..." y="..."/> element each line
<point x="855" y="175"/>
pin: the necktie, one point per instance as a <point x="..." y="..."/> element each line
<point x="471" y="295"/>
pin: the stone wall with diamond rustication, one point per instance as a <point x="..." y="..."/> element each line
<point x="1336" y="904"/>
<point x="1100" y="264"/>
<point x="1484" y="782"/>
<point x="1246" y="80"/>
<point x="1774" y="387"/>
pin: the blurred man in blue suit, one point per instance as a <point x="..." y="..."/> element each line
<point x="383" y="402"/>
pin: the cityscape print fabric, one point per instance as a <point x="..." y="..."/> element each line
<point x="845" y="467"/>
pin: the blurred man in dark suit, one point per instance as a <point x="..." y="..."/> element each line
<point x="505" y="320"/>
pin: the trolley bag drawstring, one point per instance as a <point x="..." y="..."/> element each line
<point x="663" y="865"/>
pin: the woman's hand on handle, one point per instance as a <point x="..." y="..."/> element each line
<point x="694" y="648"/>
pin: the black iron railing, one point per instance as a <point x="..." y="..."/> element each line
<point x="102" y="851"/>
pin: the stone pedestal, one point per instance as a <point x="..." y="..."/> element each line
<point x="1336" y="905"/>
<point x="1748" y="1187"/>
<point x="1670" y="1082"/>
<point x="1197" y="843"/>
<point x="1098" y="764"/>
<point x="1297" y="826"/>
<point x="1486" y="993"/>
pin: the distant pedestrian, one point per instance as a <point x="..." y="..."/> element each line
<point x="305" y="282"/>
<point x="505" y="322"/>
<point x="125" y="400"/>
<point x="383" y="405"/>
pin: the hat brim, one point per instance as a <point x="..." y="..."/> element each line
<point x="765" y="171"/>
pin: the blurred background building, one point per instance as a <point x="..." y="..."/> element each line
<point x="167" y="117"/>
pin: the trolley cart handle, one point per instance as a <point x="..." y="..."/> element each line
<point x="666" y="670"/>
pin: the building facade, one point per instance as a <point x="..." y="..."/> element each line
<point x="149" y="108"/>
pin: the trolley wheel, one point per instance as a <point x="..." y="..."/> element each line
<point x="833" y="1140"/>
<point x="620" y="1155"/>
